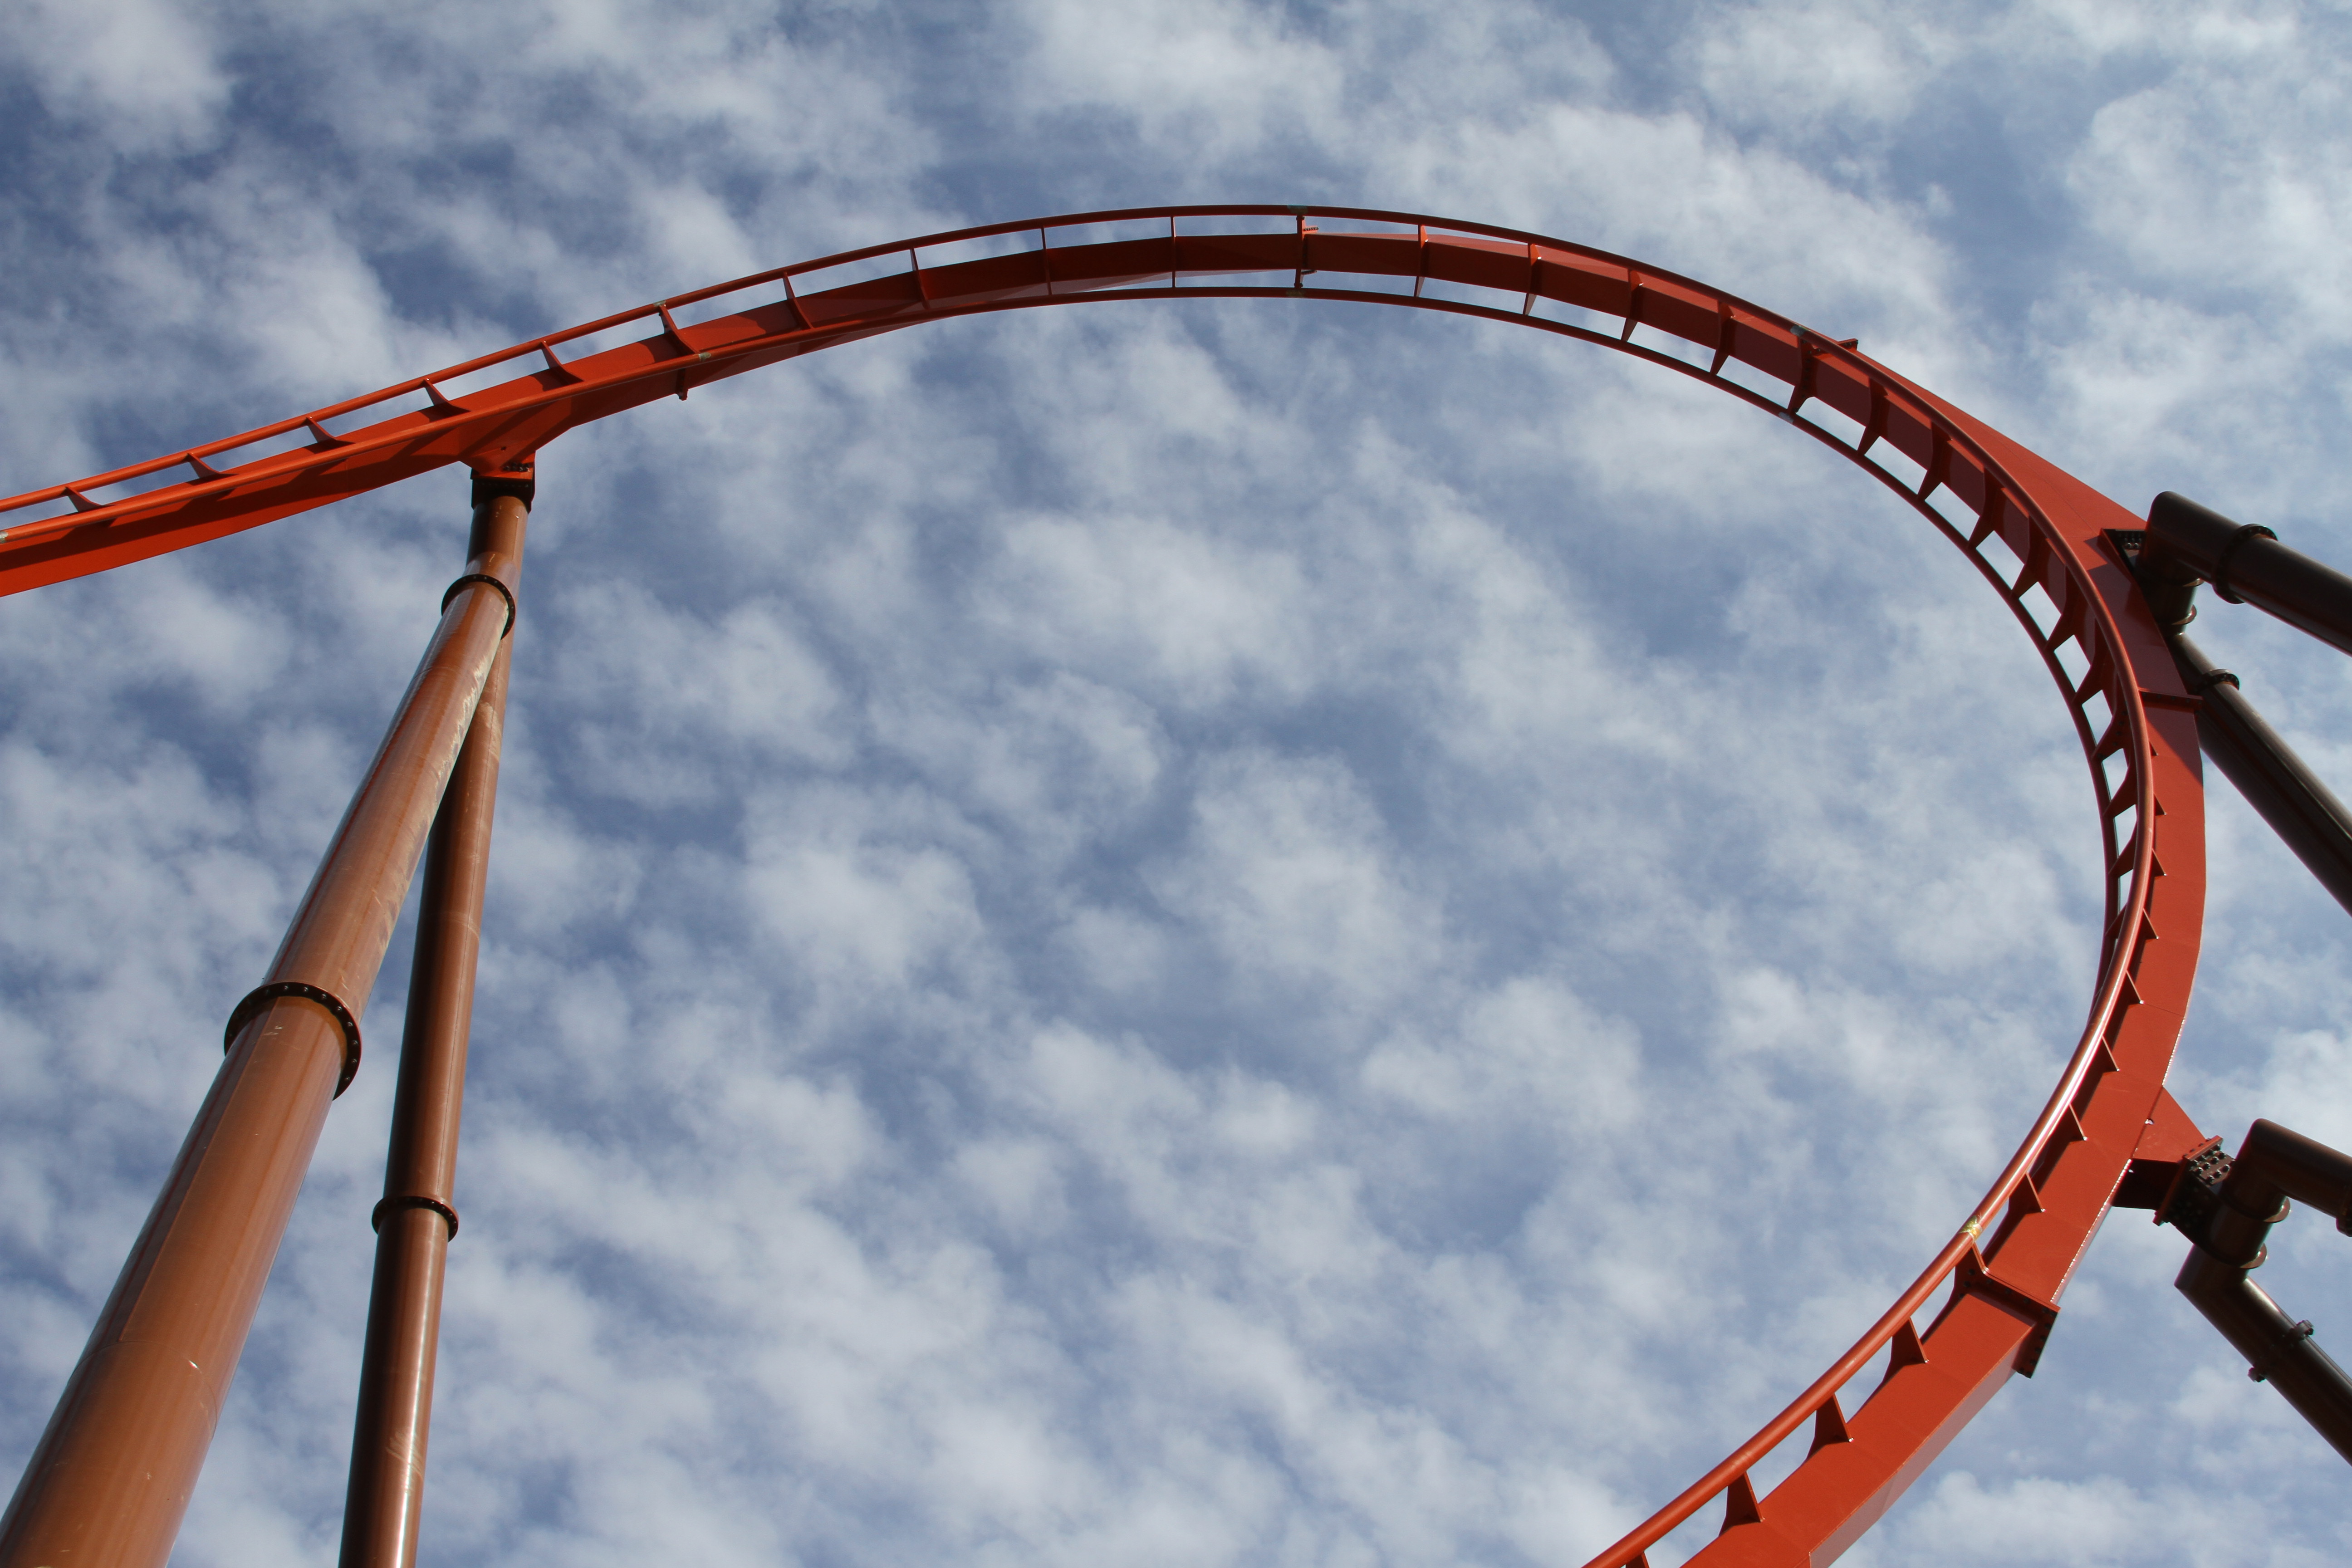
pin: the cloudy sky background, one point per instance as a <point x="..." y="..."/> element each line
<point x="1197" y="934"/>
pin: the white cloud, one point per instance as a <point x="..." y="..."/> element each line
<point x="136" y="74"/>
<point x="1205" y="933"/>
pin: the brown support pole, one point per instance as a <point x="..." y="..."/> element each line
<point x="112" y="1473"/>
<point x="417" y="1217"/>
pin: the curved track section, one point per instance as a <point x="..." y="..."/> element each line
<point x="2037" y="534"/>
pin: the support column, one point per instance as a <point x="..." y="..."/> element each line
<point x="2303" y="811"/>
<point x="112" y="1475"/>
<point x="418" y="1217"/>
<point x="2186" y="543"/>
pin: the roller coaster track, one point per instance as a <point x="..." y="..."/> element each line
<point x="2038" y="535"/>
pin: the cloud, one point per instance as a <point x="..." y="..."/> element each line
<point x="1209" y="932"/>
<point x="140" y="75"/>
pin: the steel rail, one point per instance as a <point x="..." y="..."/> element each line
<point x="2009" y="1261"/>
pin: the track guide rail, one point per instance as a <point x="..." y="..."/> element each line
<point x="2036" y="533"/>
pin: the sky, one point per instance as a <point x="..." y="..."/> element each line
<point x="1199" y="932"/>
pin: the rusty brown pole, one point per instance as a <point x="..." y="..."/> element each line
<point x="419" y="1217"/>
<point x="112" y="1473"/>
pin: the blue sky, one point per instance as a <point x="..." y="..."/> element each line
<point x="1193" y="934"/>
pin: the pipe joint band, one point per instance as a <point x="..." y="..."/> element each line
<point x="2221" y="562"/>
<point x="504" y="593"/>
<point x="2278" y="1212"/>
<point x="2283" y="1346"/>
<point x="393" y="1206"/>
<point x="260" y="996"/>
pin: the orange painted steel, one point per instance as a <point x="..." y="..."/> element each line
<point x="2035" y="533"/>
<point x="113" y="1473"/>
<point x="417" y="1217"/>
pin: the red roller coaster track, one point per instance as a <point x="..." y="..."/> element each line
<point x="2038" y="534"/>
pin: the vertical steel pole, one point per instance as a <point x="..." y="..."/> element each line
<point x="112" y="1475"/>
<point x="417" y="1217"/>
